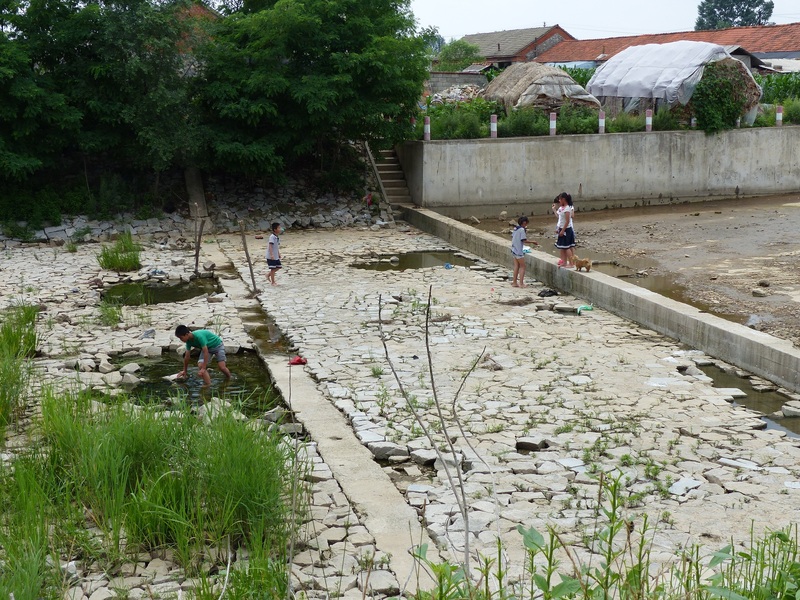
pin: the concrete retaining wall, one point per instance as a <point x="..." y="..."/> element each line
<point x="462" y="178"/>
<point x="439" y="81"/>
<point x="759" y="353"/>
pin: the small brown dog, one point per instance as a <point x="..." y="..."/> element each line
<point x="582" y="263"/>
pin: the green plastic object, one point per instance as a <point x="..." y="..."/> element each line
<point x="585" y="307"/>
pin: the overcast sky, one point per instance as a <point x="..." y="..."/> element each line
<point x="583" y="19"/>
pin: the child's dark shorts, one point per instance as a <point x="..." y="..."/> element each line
<point x="273" y="264"/>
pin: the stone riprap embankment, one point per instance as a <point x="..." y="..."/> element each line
<point x="554" y="400"/>
<point x="78" y="352"/>
<point x="295" y="206"/>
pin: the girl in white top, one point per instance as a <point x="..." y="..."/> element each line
<point x="566" y="234"/>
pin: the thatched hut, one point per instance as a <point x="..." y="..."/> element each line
<point x="534" y="84"/>
<point x="656" y="75"/>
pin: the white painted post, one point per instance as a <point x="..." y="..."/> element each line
<point x="778" y="116"/>
<point x="601" y="127"/>
<point x="648" y="120"/>
<point x="738" y="122"/>
<point x="552" y="123"/>
<point x="426" y="129"/>
<point x="694" y="122"/>
<point x="493" y="126"/>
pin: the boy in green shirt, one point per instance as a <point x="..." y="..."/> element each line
<point x="209" y="345"/>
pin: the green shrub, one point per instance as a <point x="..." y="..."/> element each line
<point x="665" y="120"/>
<point x="122" y="256"/>
<point x="625" y="123"/>
<point x="524" y="122"/>
<point x="791" y="111"/>
<point x="456" y="125"/>
<point x="765" y="118"/>
<point x="719" y="98"/>
<point x="467" y="119"/>
<point x="573" y="118"/>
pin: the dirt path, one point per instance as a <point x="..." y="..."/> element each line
<point x="738" y="257"/>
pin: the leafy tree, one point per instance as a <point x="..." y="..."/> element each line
<point x="118" y="68"/>
<point x="433" y="39"/>
<point x="36" y="122"/>
<point x="304" y="78"/>
<point x="457" y="55"/>
<point x="720" y="14"/>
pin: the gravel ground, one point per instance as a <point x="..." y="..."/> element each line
<point x="738" y="258"/>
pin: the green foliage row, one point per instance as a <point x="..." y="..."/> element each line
<point x="147" y="482"/>
<point x="458" y="121"/>
<point x="779" y="87"/>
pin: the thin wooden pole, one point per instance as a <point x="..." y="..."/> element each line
<point x="247" y="256"/>
<point x="197" y="246"/>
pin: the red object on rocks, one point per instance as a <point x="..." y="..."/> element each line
<point x="297" y="360"/>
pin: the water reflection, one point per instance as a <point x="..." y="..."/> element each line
<point x="250" y="387"/>
<point x="415" y="260"/>
<point x="767" y="403"/>
<point x="139" y="293"/>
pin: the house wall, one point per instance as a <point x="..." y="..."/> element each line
<point x="462" y="178"/>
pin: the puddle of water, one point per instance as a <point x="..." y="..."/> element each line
<point x="250" y="386"/>
<point x="263" y="330"/>
<point x="766" y="403"/>
<point x="415" y="260"/>
<point x="137" y="294"/>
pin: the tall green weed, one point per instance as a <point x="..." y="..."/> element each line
<point x="625" y="123"/>
<point x="122" y="256"/>
<point x="614" y="562"/>
<point x="18" y="342"/>
<point x="171" y="482"/>
<point x="27" y="565"/>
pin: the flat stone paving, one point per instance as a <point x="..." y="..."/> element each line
<point x="554" y="400"/>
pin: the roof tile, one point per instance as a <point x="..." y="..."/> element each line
<point x="758" y="40"/>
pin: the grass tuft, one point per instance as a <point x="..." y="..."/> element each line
<point x="122" y="256"/>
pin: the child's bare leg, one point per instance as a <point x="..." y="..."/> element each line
<point x="516" y="273"/>
<point x="223" y="366"/>
<point x="521" y="262"/>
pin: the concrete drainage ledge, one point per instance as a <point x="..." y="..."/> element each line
<point x="754" y="351"/>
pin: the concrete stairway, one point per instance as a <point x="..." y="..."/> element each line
<point x="392" y="177"/>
